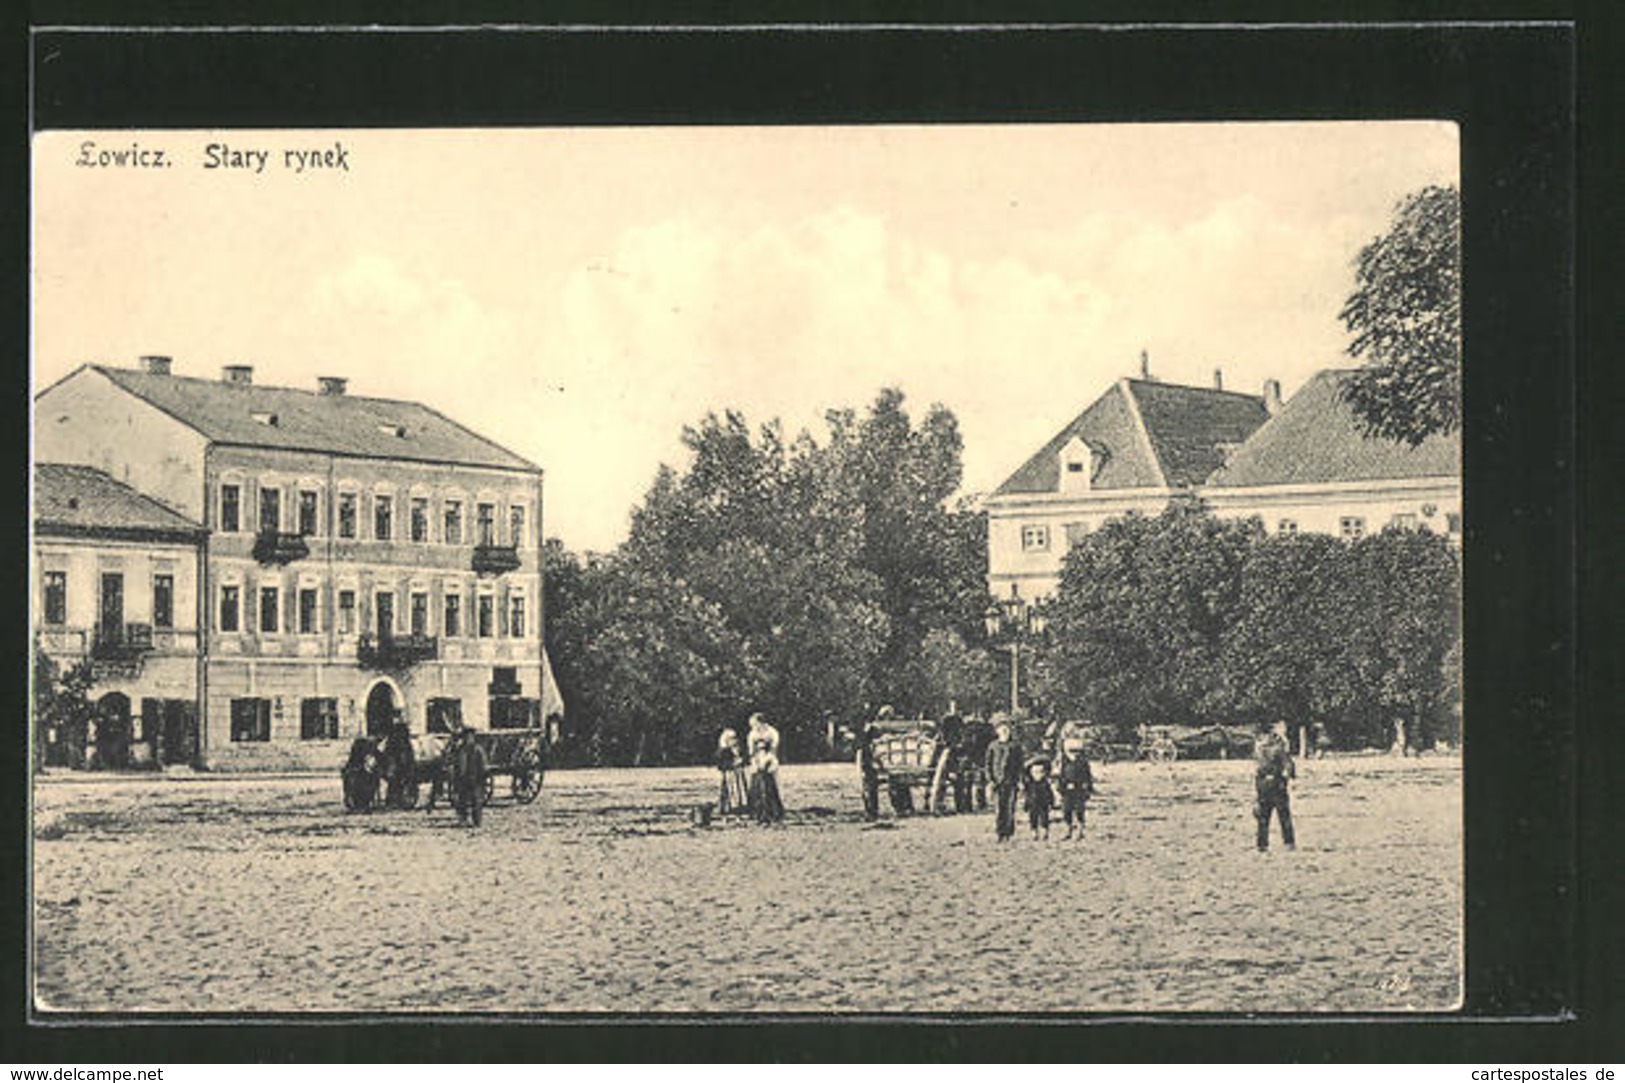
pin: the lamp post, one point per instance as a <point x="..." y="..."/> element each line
<point x="1014" y="621"/>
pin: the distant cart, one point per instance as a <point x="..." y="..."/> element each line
<point x="520" y="755"/>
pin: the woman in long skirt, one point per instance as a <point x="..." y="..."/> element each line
<point x="764" y="760"/>
<point x="732" y="800"/>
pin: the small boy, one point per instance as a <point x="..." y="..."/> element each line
<point x="1040" y="798"/>
<point x="1077" y="785"/>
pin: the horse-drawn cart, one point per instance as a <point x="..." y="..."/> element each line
<point x="944" y="761"/>
<point x="392" y="770"/>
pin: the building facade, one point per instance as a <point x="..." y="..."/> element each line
<point x="115" y="581"/>
<point x="364" y="559"/>
<point x="1302" y="465"/>
<point x="1133" y="449"/>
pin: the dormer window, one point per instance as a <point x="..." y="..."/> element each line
<point x="1077" y="466"/>
<point x="264" y="417"/>
<point x="393" y="430"/>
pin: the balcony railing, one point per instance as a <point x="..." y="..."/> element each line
<point x="127" y="644"/>
<point x="495" y="559"/>
<point x="276" y="547"/>
<point x="395" y="652"/>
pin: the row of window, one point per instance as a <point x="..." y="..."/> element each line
<point x="319" y="716"/>
<point x="485" y="618"/>
<point x="110" y="602"/>
<point x="419" y="517"/>
<point x="1035" y="537"/>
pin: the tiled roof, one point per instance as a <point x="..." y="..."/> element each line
<point x="1192" y="427"/>
<point x="1183" y="428"/>
<point x="307" y="421"/>
<point x="82" y="498"/>
<point x="1314" y="439"/>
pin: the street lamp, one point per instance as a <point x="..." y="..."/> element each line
<point x="1015" y="622"/>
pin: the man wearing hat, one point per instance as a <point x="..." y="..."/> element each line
<point x="1274" y="775"/>
<point x="466" y="767"/>
<point x="1004" y="772"/>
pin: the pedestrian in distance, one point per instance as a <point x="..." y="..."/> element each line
<point x="733" y="799"/>
<point x="1077" y="783"/>
<point x="1274" y="775"/>
<point x="466" y="766"/>
<point x="1040" y="797"/>
<point x="763" y="742"/>
<point x="1004" y="771"/>
<point x="869" y="769"/>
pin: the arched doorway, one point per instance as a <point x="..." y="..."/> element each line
<point x="113" y="731"/>
<point x="384" y="704"/>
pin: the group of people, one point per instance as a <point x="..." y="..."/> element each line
<point x="750" y="772"/>
<point x="1034" y="780"/>
<point x="750" y="779"/>
<point x="1028" y="780"/>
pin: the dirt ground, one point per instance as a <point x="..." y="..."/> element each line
<point x="262" y="895"/>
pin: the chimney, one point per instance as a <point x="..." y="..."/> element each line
<point x="155" y="365"/>
<point x="1218" y="379"/>
<point x="331" y="385"/>
<point x="237" y="374"/>
<point x="1272" y="397"/>
<point x="1145" y="365"/>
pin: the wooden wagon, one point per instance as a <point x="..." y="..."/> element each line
<point x="943" y="763"/>
<point x="380" y="771"/>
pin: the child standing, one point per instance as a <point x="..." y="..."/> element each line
<point x="1040" y="798"/>
<point x="1077" y="784"/>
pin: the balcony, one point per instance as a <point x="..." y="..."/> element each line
<point x="495" y="559"/>
<point x="395" y="652"/>
<point x="276" y="547"/>
<point x="118" y="652"/>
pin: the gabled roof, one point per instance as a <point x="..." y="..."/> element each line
<point x="81" y="499"/>
<point x="1314" y="439"/>
<point x="1152" y="435"/>
<point x="307" y="421"/>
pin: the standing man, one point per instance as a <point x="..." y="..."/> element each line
<point x="869" y="770"/>
<point x="1004" y="770"/>
<point x="1275" y="773"/>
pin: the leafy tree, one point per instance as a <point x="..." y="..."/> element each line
<point x="1405" y="318"/>
<point x="1183" y="618"/>
<point x="61" y="702"/>
<point x="953" y="673"/>
<point x="1138" y="623"/>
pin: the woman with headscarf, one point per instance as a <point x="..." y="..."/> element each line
<point x="763" y="743"/>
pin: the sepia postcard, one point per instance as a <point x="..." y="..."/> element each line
<point x="747" y="570"/>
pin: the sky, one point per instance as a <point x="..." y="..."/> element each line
<point x="579" y="295"/>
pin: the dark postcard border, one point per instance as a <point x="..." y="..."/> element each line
<point x="1510" y="87"/>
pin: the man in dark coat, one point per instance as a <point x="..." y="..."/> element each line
<point x="1274" y="776"/>
<point x="1004" y="771"/>
<point x="465" y="772"/>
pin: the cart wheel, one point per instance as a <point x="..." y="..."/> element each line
<point x="527" y="777"/>
<point x="936" y="797"/>
<point x="1163" y="751"/>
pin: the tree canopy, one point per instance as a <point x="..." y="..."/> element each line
<point x="1405" y="320"/>
<point x="812" y="579"/>
<point x="1185" y="618"/>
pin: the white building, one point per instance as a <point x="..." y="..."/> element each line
<point x="1302" y="465"/>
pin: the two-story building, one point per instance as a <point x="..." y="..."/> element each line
<point x="115" y="583"/>
<point x="365" y="558"/>
<point x="1134" y="448"/>
<point x="1299" y="465"/>
<point x="1310" y="468"/>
